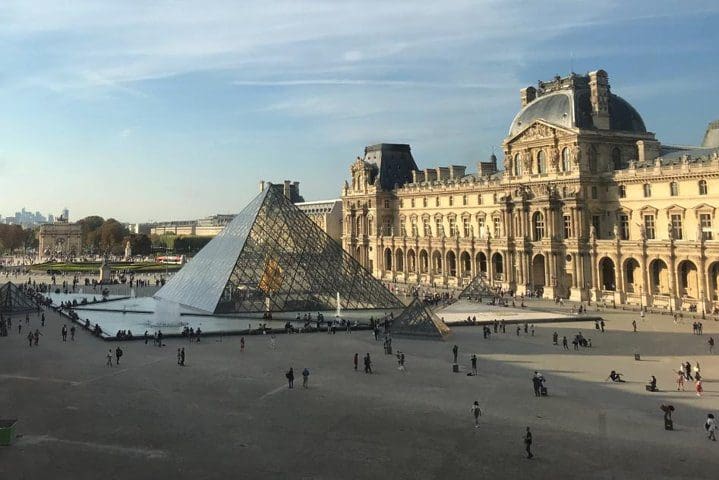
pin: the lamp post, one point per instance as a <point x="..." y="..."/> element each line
<point x="701" y="299"/>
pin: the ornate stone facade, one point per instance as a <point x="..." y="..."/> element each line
<point x="59" y="240"/>
<point x="589" y="206"/>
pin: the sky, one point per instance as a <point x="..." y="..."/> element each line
<point x="164" y="110"/>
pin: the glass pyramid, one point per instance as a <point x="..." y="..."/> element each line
<point x="419" y="321"/>
<point x="477" y="287"/>
<point x="272" y="257"/>
<point x="12" y="300"/>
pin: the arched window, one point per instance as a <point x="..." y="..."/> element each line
<point x="517" y="165"/>
<point x="541" y="162"/>
<point x="647" y="190"/>
<point x="538" y="226"/>
<point x="702" y="187"/>
<point x="616" y="158"/>
<point x="565" y="160"/>
<point x="673" y="189"/>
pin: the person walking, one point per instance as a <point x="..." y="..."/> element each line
<point x="242" y="344"/>
<point x="528" y="443"/>
<point x="356" y="360"/>
<point x="72" y="333"/>
<point x="64" y="333"/>
<point x="711" y="344"/>
<point x="37" y="336"/>
<point x="680" y="380"/>
<point x="474" y="364"/>
<point x="477" y="412"/>
<point x="305" y="377"/>
<point x="601" y="325"/>
<point x="42" y="319"/>
<point x="145" y="336"/>
<point x="537" y="384"/>
<point x="178" y="356"/>
<point x="109" y="358"/>
<point x="118" y="354"/>
<point x="698" y="387"/>
<point x="565" y="344"/>
<point x="367" y="364"/>
<point x="290" y="377"/>
<point x="455" y="351"/>
<point x="711" y="427"/>
<point x="634" y="325"/>
<point x="555" y="338"/>
<point x="182" y="357"/>
<point x="30" y="338"/>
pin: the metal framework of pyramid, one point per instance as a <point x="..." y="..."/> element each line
<point x="477" y="287"/>
<point x="272" y="257"/>
<point x="13" y="300"/>
<point x="418" y="321"/>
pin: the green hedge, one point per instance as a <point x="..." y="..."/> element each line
<point x="94" y="267"/>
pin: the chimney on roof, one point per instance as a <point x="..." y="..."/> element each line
<point x="527" y="95"/>
<point x="599" y="98"/>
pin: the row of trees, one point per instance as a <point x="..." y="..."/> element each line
<point x="14" y="238"/>
<point x="101" y="236"/>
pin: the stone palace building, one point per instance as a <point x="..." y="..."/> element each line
<point x="589" y="205"/>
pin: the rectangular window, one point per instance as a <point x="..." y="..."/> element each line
<point x="647" y="190"/>
<point x="594" y="193"/>
<point x="497" y="227"/>
<point x="597" y="224"/>
<point x="401" y="203"/>
<point x="479" y="199"/>
<point x="494" y="198"/>
<point x="427" y="228"/>
<point x="402" y="229"/>
<point x="436" y="201"/>
<point x="424" y="202"/>
<point x="386" y="204"/>
<point x="677" y="226"/>
<point x="622" y="191"/>
<point x="387" y="226"/>
<point x="466" y="227"/>
<point x="567" y="226"/>
<point x="624" y="227"/>
<point x="452" y="226"/>
<point x="451" y="200"/>
<point x="480" y="225"/>
<point x="415" y="230"/>
<point x="464" y="199"/>
<point x="439" y="228"/>
<point x="412" y="203"/>
<point x="649" y="227"/>
<point x="705" y="221"/>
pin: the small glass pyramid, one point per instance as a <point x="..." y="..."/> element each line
<point x="12" y="299"/>
<point x="419" y="321"/>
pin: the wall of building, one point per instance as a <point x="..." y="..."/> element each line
<point x="584" y="213"/>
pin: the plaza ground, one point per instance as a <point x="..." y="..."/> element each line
<point x="229" y="414"/>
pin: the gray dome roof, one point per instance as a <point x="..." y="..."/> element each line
<point x="572" y="109"/>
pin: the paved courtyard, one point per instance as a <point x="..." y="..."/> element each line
<point x="229" y="414"/>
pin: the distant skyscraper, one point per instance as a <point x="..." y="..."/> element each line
<point x="66" y="214"/>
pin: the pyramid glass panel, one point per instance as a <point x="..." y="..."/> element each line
<point x="419" y="321"/>
<point x="12" y="299"/>
<point x="476" y="288"/>
<point x="279" y="261"/>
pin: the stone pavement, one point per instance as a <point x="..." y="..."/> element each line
<point x="229" y="414"/>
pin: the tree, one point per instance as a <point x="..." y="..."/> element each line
<point x="139" y="243"/>
<point x="90" y="232"/>
<point x="111" y="234"/>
